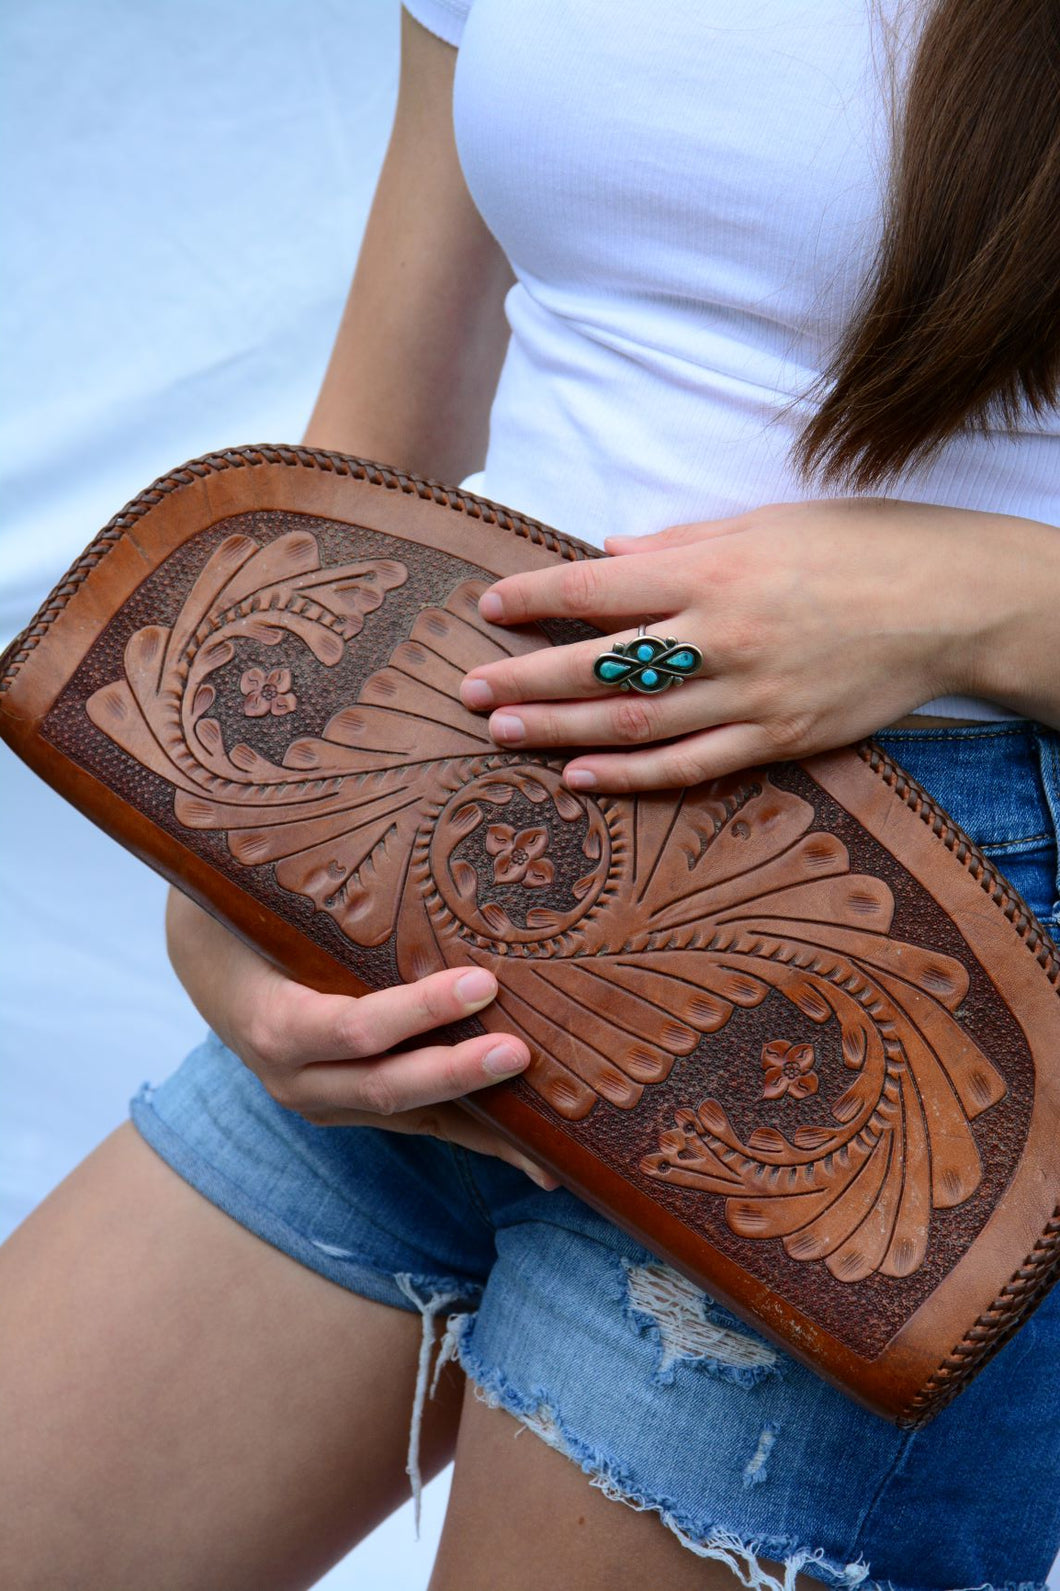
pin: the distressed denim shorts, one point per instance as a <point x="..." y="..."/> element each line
<point x="660" y="1395"/>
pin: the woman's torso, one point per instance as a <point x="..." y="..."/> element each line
<point x="690" y="194"/>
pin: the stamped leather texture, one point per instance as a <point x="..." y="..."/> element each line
<point x="791" y="1029"/>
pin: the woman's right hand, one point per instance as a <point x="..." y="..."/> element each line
<point x="324" y="1055"/>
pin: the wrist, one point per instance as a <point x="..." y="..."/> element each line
<point x="1013" y="642"/>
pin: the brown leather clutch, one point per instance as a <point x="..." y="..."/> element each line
<point x="791" y="1029"/>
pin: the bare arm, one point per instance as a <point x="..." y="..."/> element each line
<point x="422" y="338"/>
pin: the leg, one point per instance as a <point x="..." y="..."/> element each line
<point x="183" y="1405"/>
<point x="523" y="1516"/>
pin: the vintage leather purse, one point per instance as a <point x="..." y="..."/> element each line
<point x="790" y="1029"/>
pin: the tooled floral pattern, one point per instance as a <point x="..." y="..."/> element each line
<point x="489" y="878"/>
<point x="267" y="693"/>
<point x="519" y="858"/>
<point x="789" y="1070"/>
<point x="695" y="904"/>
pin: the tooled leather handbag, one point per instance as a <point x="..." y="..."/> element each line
<point x="791" y="1029"/>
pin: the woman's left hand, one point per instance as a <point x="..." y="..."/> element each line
<point x="819" y="622"/>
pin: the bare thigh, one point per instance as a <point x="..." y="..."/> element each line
<point x="524" y="1517"/>
<point x="184" y="1406"/>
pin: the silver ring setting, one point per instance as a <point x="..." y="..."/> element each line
<point x="649" y="663"/>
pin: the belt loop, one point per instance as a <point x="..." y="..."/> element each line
<point x="1048" y="743"/>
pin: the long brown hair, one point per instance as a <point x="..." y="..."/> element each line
<point x="959" y="326"/>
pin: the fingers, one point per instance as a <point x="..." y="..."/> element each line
<point x="457" y="1126"/>
<point x="276" y="1025"/>
<point x="553" y="673"/>
<point x="611" y="590"/>
<point x="320" y="1053"/>
<point x="727" y="748"/>
<point x="388" y="1085"/>
<point x="354" y="1084"/>
<point x="621" y="718"/>
<point x="305" y="1027"/>
<point x="675" y="536"/>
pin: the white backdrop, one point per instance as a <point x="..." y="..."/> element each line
<point x="186" y="186"/>
<point x="187" y="183"/>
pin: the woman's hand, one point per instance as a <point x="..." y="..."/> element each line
<point x="323" y="1055"/>
<point x="819" y="622"/>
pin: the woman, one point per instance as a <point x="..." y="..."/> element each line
<point x="676" y="219"/>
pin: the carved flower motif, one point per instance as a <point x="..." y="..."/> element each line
<point x="789" y="1070"/>
<point x="519" y="857"/>
<point x="267" y="693"/>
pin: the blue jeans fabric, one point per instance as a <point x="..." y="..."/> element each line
<point x="662" y="1397"/>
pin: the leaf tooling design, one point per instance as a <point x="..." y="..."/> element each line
<point x="402" y="818"/>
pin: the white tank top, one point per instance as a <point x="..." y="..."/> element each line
<point x="689" y="192"/>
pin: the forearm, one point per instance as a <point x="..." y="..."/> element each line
<point x="413" y="369"/>
<point x="1013" y="656"/>
<point x="214" y="965"/>
<point x="423" y="335"/>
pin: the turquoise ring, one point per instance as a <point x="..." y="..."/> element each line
<point x="649" y="663"/>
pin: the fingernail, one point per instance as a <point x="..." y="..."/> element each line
<point x="502" y="1061"/>
<point x="579" y="778"/>
<point x="476" y="693"/>
<point x="544" y="1179"/>
<point x="476" y="987"/>
<point x="505" y="726"/>
<point x="490" y="605"/>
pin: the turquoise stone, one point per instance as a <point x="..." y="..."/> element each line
<point x="649" y="677"/>
<point x="610" y="669"/>
<point x="681" y="660"/>
<point x="645" y="652"/>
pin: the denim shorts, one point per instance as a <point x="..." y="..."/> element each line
<point x="660" y="1395"/>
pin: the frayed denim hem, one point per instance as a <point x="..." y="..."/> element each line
<point x="742" y="1557"/>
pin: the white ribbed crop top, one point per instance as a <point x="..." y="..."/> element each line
<point x="689" y="192"/>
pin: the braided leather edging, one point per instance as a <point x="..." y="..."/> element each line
<point x="1026" y="1288"/>
<point x="1016" y="1300"/>
<point x="490" y="513"/>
